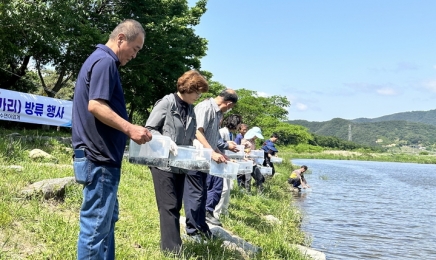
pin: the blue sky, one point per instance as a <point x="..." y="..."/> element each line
<point x="347" y="59"/>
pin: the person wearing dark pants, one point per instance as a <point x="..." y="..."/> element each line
<point x="195" y="193"/>
<point x="297" y="178"/>
<point x="249" y="142"/>
<point x="242" y="128"/>
<point x="258" y="178"/>
<point x="174" y="116"/>
<point x="168" y="188"/>
<point x="270" y="150"/>
<point x="214" y="190"/>
<point x="209" y="113"/>
<point x="230" y="123"/>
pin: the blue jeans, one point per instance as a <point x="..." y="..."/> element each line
<point x="99" y="210"/>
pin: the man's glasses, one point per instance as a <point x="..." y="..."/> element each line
<point x="198" y="93"/>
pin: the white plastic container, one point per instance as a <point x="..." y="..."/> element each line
<point x="265" y="170"/>
<point x="227" y="170"/>
<point x="259" y="160"/>
<point x="238" y="155"/>
<point x="153" y="153"/>
<point x="190" y="158"/>
<point x="245" y="167"/>
<point x="256" y="154"/>
<point x="276" y="160"/>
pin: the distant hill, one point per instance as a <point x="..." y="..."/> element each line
<point x="408" y="128"/>
<point x="425" y="117"/>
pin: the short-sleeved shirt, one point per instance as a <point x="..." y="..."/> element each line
<point x="99" y="79"/>
<point x="225" y="134"/>
<point x="238" y="138"/>
<point x="208" y="117"/>
<point x="269" y="147"/>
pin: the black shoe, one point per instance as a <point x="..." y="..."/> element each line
<point x="211" y="219"/>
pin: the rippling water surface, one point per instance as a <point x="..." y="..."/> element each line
<point x="370" y="210"/>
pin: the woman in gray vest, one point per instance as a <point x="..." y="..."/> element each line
<point x="174" y="116"/>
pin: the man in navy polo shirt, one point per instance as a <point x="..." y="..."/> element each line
<point x="100" y="130"/>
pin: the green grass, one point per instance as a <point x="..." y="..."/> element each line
<point x="34" y="228"/>
<point x="397" y="155"/>
<point x="378" y="157"/>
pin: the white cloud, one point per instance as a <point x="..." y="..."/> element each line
<point x="403" y="66"/>
<point x="361" y="87"/>
<point x="263" y="94"/>
<point x="386" y="91"/>
<point x="291" y="98"/>
<point x="430" y="85"/>
<point x="381" y="89"/>
<point x="399" y="67"/>
<point x="301" y="106"/>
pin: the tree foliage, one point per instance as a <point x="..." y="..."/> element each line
<point x="170" y="49"/>
<point x="258" y="110"/>
<point x="268" y="113"/>
<point x="290" y="134"/>
<point x="337" y="143"/>
<point x="52" y="38"/>
<point x="49" y="79"/>
<point x="60" y="34"/>
<point x="374" y="134"/>
<point x="56" y="34"/>
<point x="424" y="117"/>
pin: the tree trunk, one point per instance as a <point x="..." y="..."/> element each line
<point x="15" y="74"/>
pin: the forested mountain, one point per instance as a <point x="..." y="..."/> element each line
<point x="425" y="117"/>
<point x="379" y="131"/>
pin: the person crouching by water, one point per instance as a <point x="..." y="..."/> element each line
<point x="297" y="178"/>
<point x="174" y="116"/>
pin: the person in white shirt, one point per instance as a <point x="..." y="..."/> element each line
<point x="227" y="134"/>
<point x="249" y="142"/>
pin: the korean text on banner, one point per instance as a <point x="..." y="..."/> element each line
<point x="28" y="108"/>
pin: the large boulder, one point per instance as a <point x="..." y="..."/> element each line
<point x="38" y="153"/>
<point x="49" y="189"/>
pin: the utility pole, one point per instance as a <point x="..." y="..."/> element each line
<point x="349" y="133"/>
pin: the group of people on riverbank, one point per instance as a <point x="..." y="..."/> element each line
<point x="100" y="129"/>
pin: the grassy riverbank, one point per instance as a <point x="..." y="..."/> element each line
<point x="398" y="155"/>
<point x="34" y="228"/>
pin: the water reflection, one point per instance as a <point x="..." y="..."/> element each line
<point x="370" y="210"/>
<point x="299" y="196"/>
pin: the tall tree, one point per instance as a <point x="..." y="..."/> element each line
<point x="268" y="113"/>
<point x="54" y="33"/>
<point x="171" y="48"/>
<point x="258" y="110"/>
<point x="60" y="34"/>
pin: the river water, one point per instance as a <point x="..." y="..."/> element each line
<point x="369" y="210"/>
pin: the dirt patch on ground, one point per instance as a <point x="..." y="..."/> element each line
<point x="16" y="243"/>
